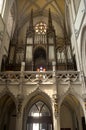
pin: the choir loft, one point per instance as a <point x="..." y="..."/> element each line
<point x="43" y="65"/>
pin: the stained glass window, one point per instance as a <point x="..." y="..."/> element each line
<point x="41" y="28"/>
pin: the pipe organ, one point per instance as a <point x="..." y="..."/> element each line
<point x="41" y="48"/>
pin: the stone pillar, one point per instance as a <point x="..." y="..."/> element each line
<point x="82" y="79"/>
<point x="22" y="66"/>
<point x="54" y="67"/>
<point x="85" y="107"/>
<point x="56" y="113"/>
<point x="54" y="77"/>
<point x="19" y="116"/>
<point x="55" y="106"/>
<point x="2" y="37"/>
<point x="20" y="98"/>
<point x="74" y="35"/>
<point x="19" y="122"/>
<point x="21" y="81"/>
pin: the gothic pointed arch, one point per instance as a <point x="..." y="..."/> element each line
<point x="38" y="111"/>
<point x="71" y="110"/>
<point x="7" y="112"/>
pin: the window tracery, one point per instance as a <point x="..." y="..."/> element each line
<point x="40" y="28"/>
<point x="39" y="109"/>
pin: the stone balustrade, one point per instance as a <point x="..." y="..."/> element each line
<point x="34" y="77"/>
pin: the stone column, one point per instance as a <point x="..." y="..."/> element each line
<point x="19" y="117"/>
<point x="54" y="67"/>
<point x="20" y="98"/>
<point x="2" y="37"/>
<point x="19" y="122"/>
<point x="55" y="105"/>
<point x="85" y="107"/>
<point x="74" y="35"/>
<point x="22" y="66"/>
<point x="56" y="113"/>
<point x="54" y="77"/>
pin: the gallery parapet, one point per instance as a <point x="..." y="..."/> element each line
<point x="34" y="77"/>
<point x="68" y="76"/>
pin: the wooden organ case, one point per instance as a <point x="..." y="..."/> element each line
<point x="41" y="48"/>
<point x="40" y="45"/>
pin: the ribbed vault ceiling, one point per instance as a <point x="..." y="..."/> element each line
<point x="25" y="6"/>
<point x="40" y="7"/>
<point x="41" y="10"/>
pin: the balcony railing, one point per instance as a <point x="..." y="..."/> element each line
<point x="72" y="76"/>
<point x="33" y="77"/>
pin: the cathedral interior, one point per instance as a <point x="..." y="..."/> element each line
<point x="43" y="64"/>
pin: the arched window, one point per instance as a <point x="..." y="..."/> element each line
<point x="40" y="33"/>
<point x="39" y="117"/>
<point x="39" y="109"/>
